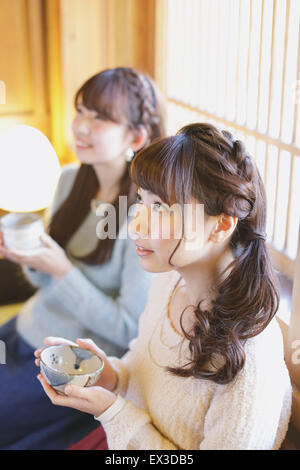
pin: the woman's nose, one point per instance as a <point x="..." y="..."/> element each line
<point x="82" y="125"/>
<point x="140" y="225"/>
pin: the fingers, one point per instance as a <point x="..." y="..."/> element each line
<point x="37" y="354"/>
<point x="17" y="256"/>
<point x="62" y="400"/>
<point x="51" y="341"/>
<point x="6" y="253"/>
<point x="77" y="392"/>
<point x="48" y="241"/>
<point x="48" y="390"/>
<point x="56" y="341"/>
<point x="91" y="346"/>
<point x="55" y="398"/>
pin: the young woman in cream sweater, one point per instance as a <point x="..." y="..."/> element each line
<point x="207" y="369"/>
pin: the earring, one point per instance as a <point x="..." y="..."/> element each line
<point x="129" y="154"/>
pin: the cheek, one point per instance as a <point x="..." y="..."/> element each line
<point x="184" y="257"/>
<point x="74" y="124"/>
<point x="166" y="233"/>
<point x="107" y="140"/>
<point x="179" y="257"/>
<point x="165" y="227"/>
<point x="163" y="252"/>
<point x="97" y="136"/>
<point x="158" y="262"/>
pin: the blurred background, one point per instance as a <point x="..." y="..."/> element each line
<point x="234" y="63"/>
<point x="48" y="48"/>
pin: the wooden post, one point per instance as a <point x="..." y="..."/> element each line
<point x="54" y="78"/>
<point x="131" y="33"/>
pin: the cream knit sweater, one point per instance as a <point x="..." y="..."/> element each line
<point x="157" y="410"/>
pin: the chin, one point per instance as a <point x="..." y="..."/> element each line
<point x="86" y="156"/>
<point x="154" y="267"/>
<point x="86" y="160"/>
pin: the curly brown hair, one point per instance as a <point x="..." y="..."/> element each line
<point x="125" y="96"/>
<point x="207" y="164"/>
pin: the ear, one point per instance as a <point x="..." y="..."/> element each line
<point x="140" y="138"/>
<point x="224" y="228"/>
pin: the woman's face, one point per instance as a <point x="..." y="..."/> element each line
<point x="98" y="141"/>
<point x="157" y="229"/>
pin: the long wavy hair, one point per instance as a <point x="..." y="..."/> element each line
<point x="207" y="164"/>
<point x="125" y="96"/>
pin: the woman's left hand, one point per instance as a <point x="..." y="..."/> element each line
<point x="92" y="400"/>
<point x="50" y="258"/>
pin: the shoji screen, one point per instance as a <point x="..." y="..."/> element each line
<point x="235" y="63"/>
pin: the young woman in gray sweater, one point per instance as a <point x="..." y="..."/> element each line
<point x="88" y="287"/>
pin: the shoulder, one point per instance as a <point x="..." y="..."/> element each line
<point x="266" y="346"/>
<point x="65" y="183"/>
<point x="264" y="370"/>
<point x="265" y="363"/>
<point x="68" y="173"/>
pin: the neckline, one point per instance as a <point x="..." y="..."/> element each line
<point x="167" y="309"/>
<point x="165" y="319"/>
<point x="169" y="339"/>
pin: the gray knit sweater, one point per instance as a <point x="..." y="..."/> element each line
<point x="101" y="302"/>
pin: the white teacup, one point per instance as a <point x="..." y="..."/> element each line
<point x="21" y="231"/>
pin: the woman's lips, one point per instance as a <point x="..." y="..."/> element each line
<point x="141" y="251"/>
<point x="82" y="146"/>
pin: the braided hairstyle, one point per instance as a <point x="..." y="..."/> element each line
<point x="144" y="98"/>
<point x="207" y="164"/>
<point x="125" y="96"/>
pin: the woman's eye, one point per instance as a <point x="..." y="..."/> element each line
<point x="138" y="199"/>
<point x="158" y="206"/>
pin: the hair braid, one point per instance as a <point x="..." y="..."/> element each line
<point x="145" y="99"/>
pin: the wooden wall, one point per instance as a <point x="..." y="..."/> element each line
<point x="99" y="34"/>
<point x="49" y="47"/>
<point x="22" y="64"/>
<point x="131" y="32"/>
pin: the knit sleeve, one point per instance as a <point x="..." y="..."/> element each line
<point x="128" y="427"/>
<point x="113" y="318"/>
<point x="36" y="278"/>
<point x="66" y="180"/>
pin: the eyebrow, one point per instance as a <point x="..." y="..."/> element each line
<point x="156" y="196"/>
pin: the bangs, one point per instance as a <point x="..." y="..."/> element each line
<point x="104" y="94"/>
<point x="165" y="168"/>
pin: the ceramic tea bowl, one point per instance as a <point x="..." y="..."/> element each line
<point x="61" y="365"/>
<point x="22" y="231"/>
